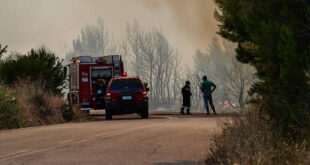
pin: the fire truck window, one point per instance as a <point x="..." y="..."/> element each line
<point x="101" y="73"/>
<point x="106" y="59"/>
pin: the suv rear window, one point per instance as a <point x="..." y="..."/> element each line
<point x="126" y="84"/>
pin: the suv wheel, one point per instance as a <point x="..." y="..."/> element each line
<point x="108" y="114"/>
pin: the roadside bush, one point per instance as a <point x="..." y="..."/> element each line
<point x="250" y="140"/>
<point x="10" y="116"/>
<point x="39" y="107"/>
<point x="34" y="106"/>
<point x="38" y="99"/>
<point x="80" y="116"/>
<point x="38" y="65"/>
<point x="67" y="112"/>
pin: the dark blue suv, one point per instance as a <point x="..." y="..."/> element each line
<point x="125" y="96"/>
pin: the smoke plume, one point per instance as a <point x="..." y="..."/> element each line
<point x="195" y="18"/>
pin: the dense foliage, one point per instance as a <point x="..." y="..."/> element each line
<point x="38" y="65"/>
<point x="274" y="37"/>
<point x="10" y="116"/>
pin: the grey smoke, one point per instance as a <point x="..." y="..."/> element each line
<point x="25" y="24"/>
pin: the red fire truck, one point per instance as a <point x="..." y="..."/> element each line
<point x="88" y="78"/>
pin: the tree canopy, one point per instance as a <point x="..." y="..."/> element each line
<point x="274" y="37"/>
<point x="38" y="65"/>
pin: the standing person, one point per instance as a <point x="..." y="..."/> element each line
<point x="208" y="87"/>
<point x="186" y="93"/>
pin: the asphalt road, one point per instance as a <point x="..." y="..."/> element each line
<point x="163" y="139"/>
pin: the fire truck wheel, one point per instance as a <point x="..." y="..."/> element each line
<point x="108" y="114"/>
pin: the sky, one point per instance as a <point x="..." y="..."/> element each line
<point x="24" y="24"/>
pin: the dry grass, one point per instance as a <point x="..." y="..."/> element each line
<point x="27" y="104"/>
<point x="80" y="116"/>
<point x="250" y="140"/>
<point x="38" y="107"/>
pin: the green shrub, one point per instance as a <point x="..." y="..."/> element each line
<point x="10" y="116"/>
<point x="41" y="66"/>
<point x="273" y="37"/>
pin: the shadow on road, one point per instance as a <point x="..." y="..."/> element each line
<point x="164" y="115"/>
<point x="196" y="115"/>
<point x="182" y="162"/>
<point x="127" y="117"/>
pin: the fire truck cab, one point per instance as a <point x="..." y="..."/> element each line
<point x="89" y="77"/>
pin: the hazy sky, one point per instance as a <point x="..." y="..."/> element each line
<point x="26" y="24"/>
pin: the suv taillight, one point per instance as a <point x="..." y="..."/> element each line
<point x="113" y="96"/>
<point x="140" y="96"/>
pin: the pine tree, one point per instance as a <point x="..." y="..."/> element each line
<point x="38" y="65"/>
<point x="274" y="37"/>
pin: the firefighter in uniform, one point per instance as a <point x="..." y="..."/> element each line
<point x="186" y="93"/>
<point x="100" y="92"/>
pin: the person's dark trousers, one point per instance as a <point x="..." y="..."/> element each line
<point x="187" y="109"/>
<point x="182" y="110"/>
<point x="186" y="104"/>
<point x="209" y="101"/>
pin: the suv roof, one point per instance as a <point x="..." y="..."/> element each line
<point x="123" y="79"/>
